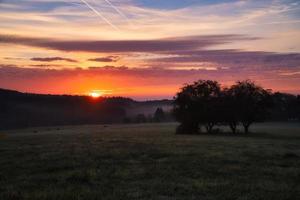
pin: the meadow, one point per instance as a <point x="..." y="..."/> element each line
<point x="148" y="161"/>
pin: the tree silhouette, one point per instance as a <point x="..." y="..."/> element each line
<point x="159" y="115"/>
<point x="204" y="103"/>
<point x="228" y="112"/>
<point x="298" y="108"/>
<point x="250" y="102"/>
<point x="197" y="104"/>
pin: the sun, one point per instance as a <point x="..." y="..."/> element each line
<point x="95" y="94"/>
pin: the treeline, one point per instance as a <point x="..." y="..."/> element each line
<point x="206" y="104"/>
<point x="285" y="107"/>
<point x="19" y="110"/>
<point x="159" y="116"/>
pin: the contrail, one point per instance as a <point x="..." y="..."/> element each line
<point x="118" y="10"/>
<point x="100" y="15"/>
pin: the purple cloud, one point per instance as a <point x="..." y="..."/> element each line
<point x="52" y="59"/>
<point x="191" y="50"/>
<point x="123" y="46"/>
<point x="105" y="59"/>
<point x="234" y="59"/>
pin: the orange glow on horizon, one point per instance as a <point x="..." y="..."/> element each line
<point x="95" y="94"/>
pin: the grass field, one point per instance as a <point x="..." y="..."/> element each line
<point x="149" y="162"/>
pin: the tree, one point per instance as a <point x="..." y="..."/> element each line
<point x="159" y="115"/>
<point x="228" y="112"/>
<point x="203" y="103"/>
<point x="140" y="118"/>
<point x="285" y="107"/>
<point x="197" y="104"/>
<point x="184" y="111"/>
<point x="250" y="102"/>
<point x="298" y="108"/>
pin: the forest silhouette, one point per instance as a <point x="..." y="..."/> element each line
<point x="203" y="103"/>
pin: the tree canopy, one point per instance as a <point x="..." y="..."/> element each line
<point x="205" y="103"/>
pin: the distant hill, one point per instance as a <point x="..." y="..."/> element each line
<point x="18" y="110"/>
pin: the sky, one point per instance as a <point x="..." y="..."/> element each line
<point x="147" y="49"/>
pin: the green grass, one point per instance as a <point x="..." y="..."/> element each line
<point x="149" y="162"/>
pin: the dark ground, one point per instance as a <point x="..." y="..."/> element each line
<point x="149" y="162"/>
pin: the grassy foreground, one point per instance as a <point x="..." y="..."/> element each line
<point x="149" y="162"/>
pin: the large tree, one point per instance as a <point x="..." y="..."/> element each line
<point x="197" y="104"/>
<point x="184" y="111"/>
<point x="251" y="102"/>
<point x="229" y="113"/>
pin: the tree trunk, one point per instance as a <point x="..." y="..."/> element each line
<point x="246" y="127"/>
<point x="233" y="127"/>
<point x="209" y="127"/>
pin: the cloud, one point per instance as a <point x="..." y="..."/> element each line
<point x="48" y="66"/>
<point x="134" y="81"/>
<point x="191" y="51"/>
<point x="235" y="59"/>
<point x="149" y="73"/>
<point x="125" y="46"/>
<point x="105" y="59"/>
<point x="12" y="58"/>
<point x="146" y="73"/>
<point x="110" y="67"/>
<point x="290" y="73"/>
<point x="52" y="59"/>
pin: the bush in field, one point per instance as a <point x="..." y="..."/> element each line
<point x="204" y="103"/>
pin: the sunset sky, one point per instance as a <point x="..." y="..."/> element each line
<point x="147" y="49"/>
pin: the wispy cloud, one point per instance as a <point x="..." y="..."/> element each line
<point x="100" y="15"/>
<point x="105" y="59"/>
<point x="118" y="11"/>
<point x="52" y="59"/>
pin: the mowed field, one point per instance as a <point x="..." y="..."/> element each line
<point x="149" y="161"/>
